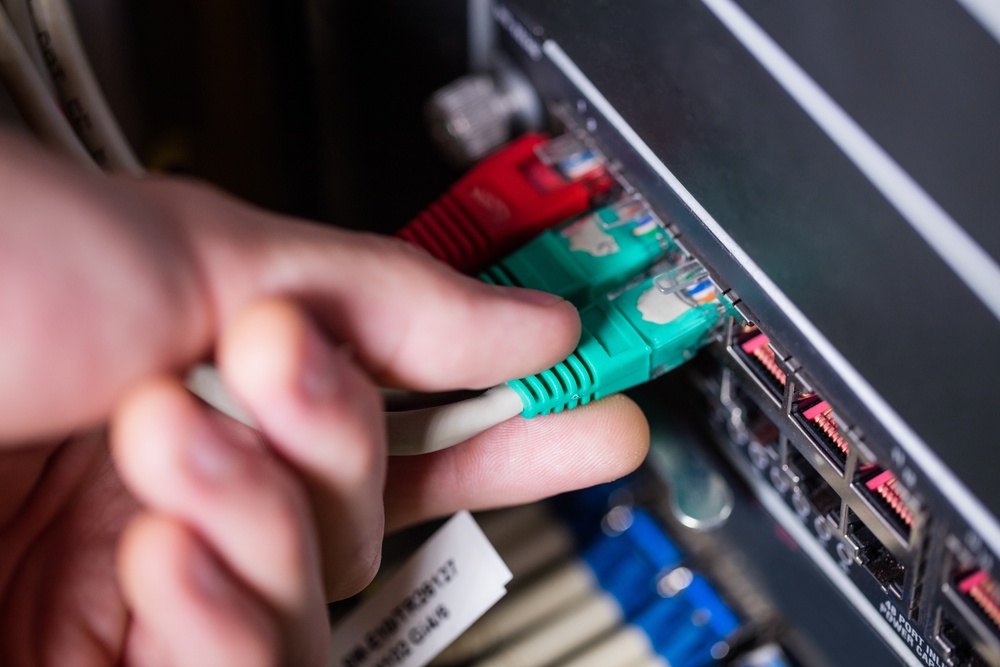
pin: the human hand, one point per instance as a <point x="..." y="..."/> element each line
<point x="199" y="541"/>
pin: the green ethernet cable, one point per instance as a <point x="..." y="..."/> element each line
<point x="628" y="338"/>
<point x="647" y="330"/>
<point x="584" y="259"/>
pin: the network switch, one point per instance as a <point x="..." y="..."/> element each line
<point x="859" y="429"/>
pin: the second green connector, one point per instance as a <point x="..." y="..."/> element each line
<point x="586" y="258"/>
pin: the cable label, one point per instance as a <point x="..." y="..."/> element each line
<point x="451" y="580"/>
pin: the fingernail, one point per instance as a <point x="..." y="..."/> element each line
<point x="318" y="375"/>
<point x="532" y="296"/>
<point x="204" y="573"/>
<point x="209" y="457"/>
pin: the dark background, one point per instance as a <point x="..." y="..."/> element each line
<point x="311" y="108"/>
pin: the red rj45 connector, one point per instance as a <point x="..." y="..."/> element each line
<point x="507" y="199"/>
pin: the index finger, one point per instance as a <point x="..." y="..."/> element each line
<point x="410" y="320"/>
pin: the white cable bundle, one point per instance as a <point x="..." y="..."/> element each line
<point x="42" y="59"/>
<point x="78" y="88"/>
<point x="30" y="91"/>
<point x="19" y="12"/>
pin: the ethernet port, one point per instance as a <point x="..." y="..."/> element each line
<point x="955" y="645"/>
<point x="982" y="593"/>
<point x="813" y="493"/>
<point x="759" y="427"/>
<point x="754" y="349"/>
<point x="819" y="420"/>
<point x="876" y="558"/>
<point x="886" y="494"/>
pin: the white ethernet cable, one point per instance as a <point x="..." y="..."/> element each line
<point x="408" y="433"/>
<point x="431" y="429"/>
<point x="78" y="89"/>
<point x="28" y="90"/>
<point x="204" y="382"/>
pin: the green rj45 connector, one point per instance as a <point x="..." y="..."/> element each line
<point x="584" y="259"/>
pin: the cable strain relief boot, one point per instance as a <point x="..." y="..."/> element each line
<point x="564" y="386"/>
<point x="499" y="275"/>
<point x="448" y="233"/>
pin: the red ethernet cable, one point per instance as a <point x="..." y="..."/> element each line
<point x="504" y="201"/>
